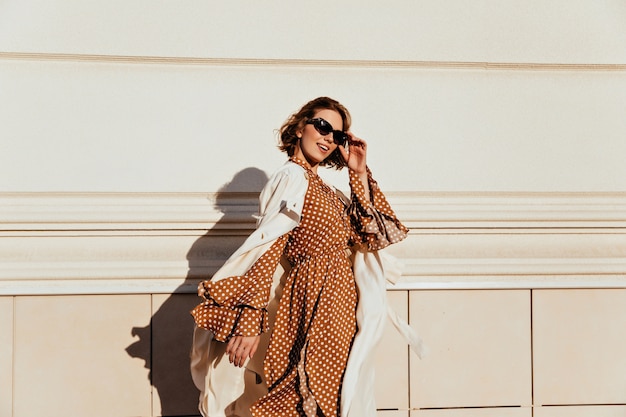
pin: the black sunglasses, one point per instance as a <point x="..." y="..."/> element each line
<point x="324" y="128"/>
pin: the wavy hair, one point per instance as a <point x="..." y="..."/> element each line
<point x="296" y="122"/>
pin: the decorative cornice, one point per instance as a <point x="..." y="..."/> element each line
<point x="278" y="62"/>
<point x="100" y="243"/>
<point x="127" y="211"/>
<point x="235" y="211"/>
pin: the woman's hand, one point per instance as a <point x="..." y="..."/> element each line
<point x="356" y="154"/>
<point x="357" y="161"/>
<point x="241" y="348"/>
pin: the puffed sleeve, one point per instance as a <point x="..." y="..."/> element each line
<point x="373" y="221"/>
<point x="235" y="299"/>
<point x="237" y="306"/>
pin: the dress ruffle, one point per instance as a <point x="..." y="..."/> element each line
<point x="237" y="305"/>
<point x="374" y="221"/>
<point x="225" y="322"/>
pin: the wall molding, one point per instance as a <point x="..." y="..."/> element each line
<point x="100" y="243"/>
<point x="278" y="62"/>
<point x="235" y="210"/>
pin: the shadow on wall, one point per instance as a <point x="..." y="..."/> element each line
<point x="167" y="338"/>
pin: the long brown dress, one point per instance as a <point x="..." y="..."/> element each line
<point x="315" y="323"/>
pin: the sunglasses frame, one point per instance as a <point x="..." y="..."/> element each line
<point x="339" y="137"/>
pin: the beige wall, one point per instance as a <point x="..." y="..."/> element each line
<point x="135" y="136"/>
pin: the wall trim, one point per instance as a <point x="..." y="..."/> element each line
<point x="113" y="243"/>
<point x="235" y="210"/>
<point x="246" y="62"/>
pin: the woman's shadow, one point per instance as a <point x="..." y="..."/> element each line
<point x="165" y="343"/>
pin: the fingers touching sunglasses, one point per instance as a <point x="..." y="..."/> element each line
<point x="324" y="128"/>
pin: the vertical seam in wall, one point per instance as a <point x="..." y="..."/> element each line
<point x="13" y="303"/>
<point x="151" y="326"/>
<point x="408" y="355"/>
<point x="532" y="353"/>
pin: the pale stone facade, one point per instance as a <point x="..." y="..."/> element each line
<point x="135" y="136"/>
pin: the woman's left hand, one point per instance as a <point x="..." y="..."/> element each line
<point x="356" y="154"/>
<point x="241" y="348"/>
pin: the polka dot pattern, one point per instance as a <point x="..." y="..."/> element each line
<point x="374" y="221"/>
<point x="316" y="319"/>
<point x="237" y="306"/>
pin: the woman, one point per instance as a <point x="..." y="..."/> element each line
<point x="312" y="362"/>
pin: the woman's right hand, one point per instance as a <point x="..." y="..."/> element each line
<point x="241" y="348"/>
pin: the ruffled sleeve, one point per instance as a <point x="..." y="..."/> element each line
<point x="373" y="221"/>
<point x="237" y="306"/>
<point x="236" y="298"/>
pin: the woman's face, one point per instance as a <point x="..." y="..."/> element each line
<point x="314" y="147"/>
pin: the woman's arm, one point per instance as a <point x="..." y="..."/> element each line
<point x="236" y="296"/>
<point x="374" y="222"/>
<point x="356" y="158"/>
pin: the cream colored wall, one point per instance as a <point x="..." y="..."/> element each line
<point x="135" y="136"/>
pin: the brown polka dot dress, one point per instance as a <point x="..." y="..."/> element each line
<point x="316" y="321"/>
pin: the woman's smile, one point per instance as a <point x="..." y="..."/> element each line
<point x="314" y="147"/>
